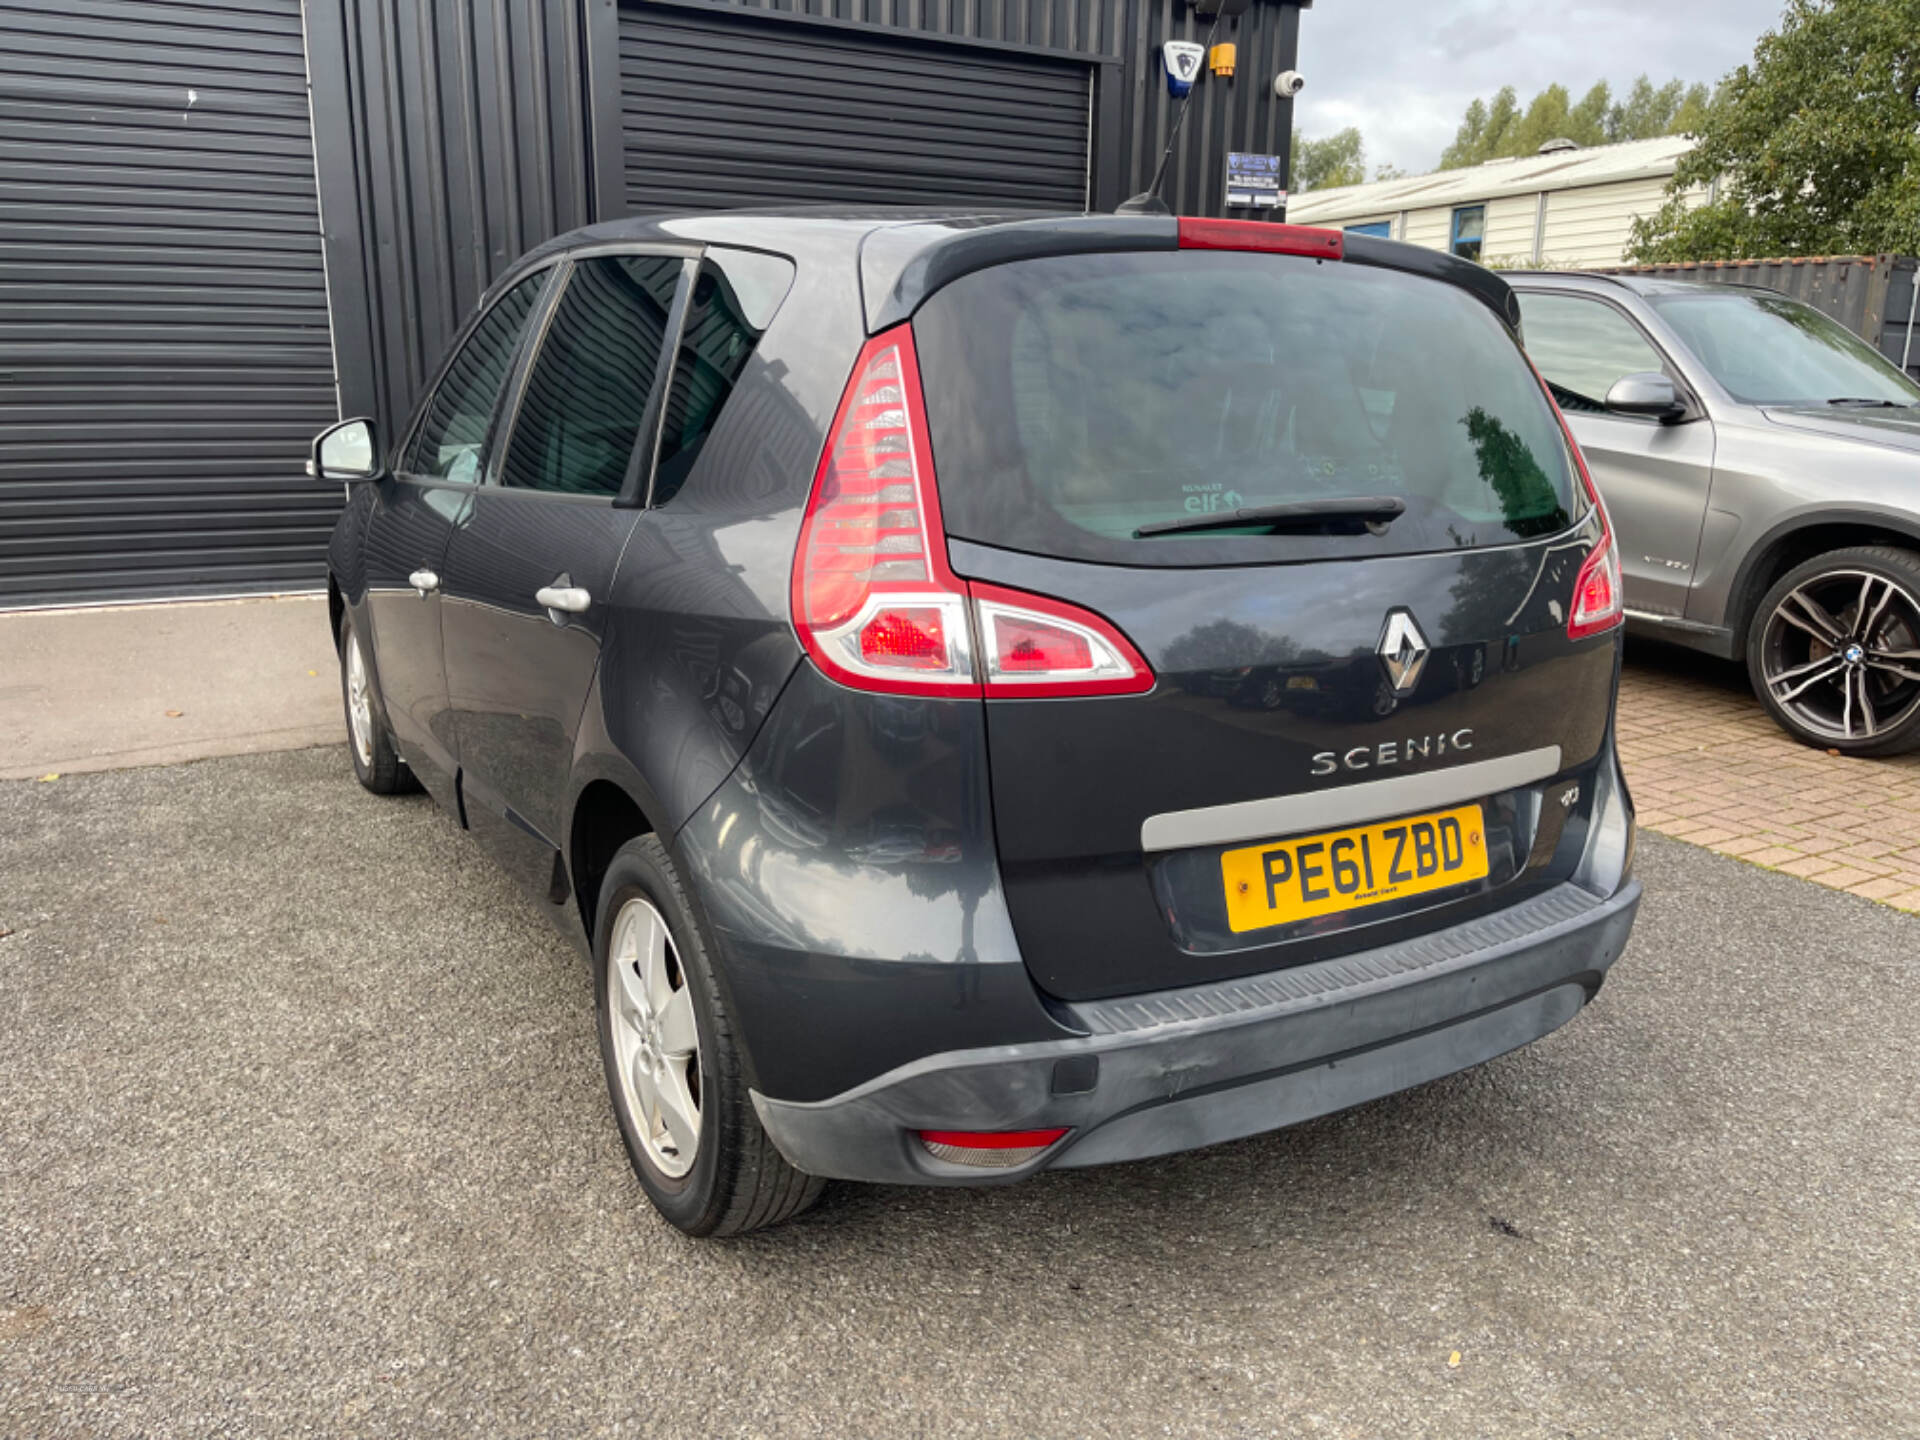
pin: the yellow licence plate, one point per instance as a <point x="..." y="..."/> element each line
<point x="1313" y="875"/>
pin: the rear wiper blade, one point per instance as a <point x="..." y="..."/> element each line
<point x="1353" y="510"/>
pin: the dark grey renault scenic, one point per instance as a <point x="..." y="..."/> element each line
<point x="995" y="693"/>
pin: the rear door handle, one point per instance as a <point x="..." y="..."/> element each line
<point x="424" y="581"/>
<point x="570" y="598"/>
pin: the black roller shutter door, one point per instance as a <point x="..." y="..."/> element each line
<point x="719" y="112"/>
<point x="164" y="352"/>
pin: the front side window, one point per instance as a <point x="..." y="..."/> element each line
<point x="1076" y="399"/>
<point x="1469" y="229"/>
<point x="454" y="429"/>
<point x="1583" y="347"/>
<point x="1769" y="350"/>
<point x="587" y="392"/>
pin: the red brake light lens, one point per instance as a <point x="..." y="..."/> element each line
<point x="911" y="637"/>
<point x="874" y="601"/>
<point x="1308" y="240"/>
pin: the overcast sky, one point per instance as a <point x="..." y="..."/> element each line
<point x="1405" y="70"/>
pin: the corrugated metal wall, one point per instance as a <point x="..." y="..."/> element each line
<point x="1872" y="295"/>
<point x="452" y="138"/>
<point x="1133" y="112"/>
<point x="164" y="356"/>
<point x="724" y="110"/>
<point x="1091" y="26"/>
<point x="1239" y="112"/>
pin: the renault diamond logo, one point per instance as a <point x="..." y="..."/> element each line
<point x="1403" y="650"/>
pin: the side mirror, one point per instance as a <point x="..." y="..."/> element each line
<point x="1646" y="393"/>
<point x="347" y="451"/>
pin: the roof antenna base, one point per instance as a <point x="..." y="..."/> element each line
<point x="1145" y="203"/>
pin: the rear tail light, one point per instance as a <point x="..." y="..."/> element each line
<point x="874" y="601"/>
<point x="1309" y="240"/>
<point x="988" y="1149"/>
<point x="1033" y="645"/>
<point x="1597" y="602"/>
<point x="1596" y="590"/>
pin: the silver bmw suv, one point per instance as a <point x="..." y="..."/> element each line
<point x="1761" y="464"/>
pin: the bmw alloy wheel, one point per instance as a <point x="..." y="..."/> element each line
<point x="655" y="1039"/>
<point x="1841" y="655"/>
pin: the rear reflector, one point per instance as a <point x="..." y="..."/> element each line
<point x="988" y="1149"/>
<point x="1309" y="240"/>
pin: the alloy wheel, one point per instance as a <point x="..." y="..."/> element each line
<point x="655" y="1040"/>
<point x="1841" y="655"/>
<point x="359" y="703"/>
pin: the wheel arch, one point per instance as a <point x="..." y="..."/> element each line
<point x="1800" y="538"/>
<point x="606" y="815"/>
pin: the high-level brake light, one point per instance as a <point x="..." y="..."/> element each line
<point x="874" y="600"/>
<point x="1310" y="240"/>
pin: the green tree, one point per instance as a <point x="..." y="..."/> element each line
<point x="1339" y="159"/>
<point x="1691" y="117"/>
<point x="1815" y="145"/>
<point x="1502" y="130"/>
<point x="1587" y="121"/>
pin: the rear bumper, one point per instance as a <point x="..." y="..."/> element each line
<point x="1180" y="1069"/>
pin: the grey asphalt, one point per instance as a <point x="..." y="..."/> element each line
<point x="302" y="1132"/>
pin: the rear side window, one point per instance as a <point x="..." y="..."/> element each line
<point x="587" y="392"/>
<point x="732" y="303"/>
<point x="1073" y="400"/>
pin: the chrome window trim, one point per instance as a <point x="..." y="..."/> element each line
<point x="1346" y="805"/>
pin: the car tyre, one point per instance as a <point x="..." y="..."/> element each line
<point x="376" y="763"/>
<point x="1834" y="651"/>
<point x="653" y="973"/>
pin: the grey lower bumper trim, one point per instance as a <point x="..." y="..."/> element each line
<point x="1346" y="804"/>
<point x="1214" y="1063"/>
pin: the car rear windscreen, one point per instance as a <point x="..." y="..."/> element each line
<point x="1074" y="400"/>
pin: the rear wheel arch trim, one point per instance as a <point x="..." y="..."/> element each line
<point x="1767" y="559"/>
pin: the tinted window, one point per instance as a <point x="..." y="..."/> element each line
<point x="1583" y="346"/>
<point x="1769" y="350"/>
<point x="1469" y="229"/>
<point x="455" y="425"/>
<point x="1073" y="400"/>
<point x="728" y="311"/>
<point x="587" y="392"/>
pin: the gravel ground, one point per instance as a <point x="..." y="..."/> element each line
<point x="302" y="1131"/>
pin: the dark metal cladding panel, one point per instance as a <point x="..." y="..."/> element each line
<point x="1237" y="112"/>
<point x="720" y="111"/>
<point x="164" y="351"/>
<point x="453" y="138"/>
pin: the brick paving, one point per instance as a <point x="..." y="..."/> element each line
<point x="1706" y="765"/>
